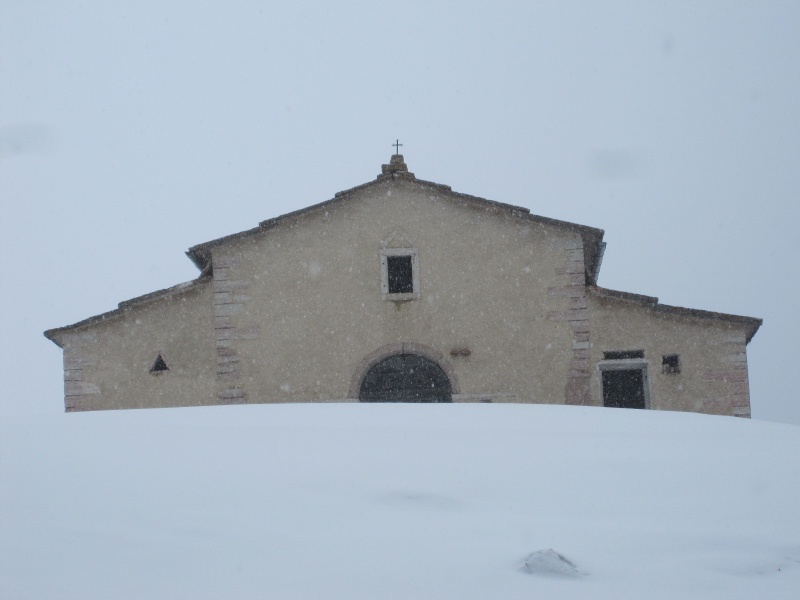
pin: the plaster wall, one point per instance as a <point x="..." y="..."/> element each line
<point x="295" y="313"/>
<point x="713" y="377"/>
<point x="107" y="363"/>
<point x="300" y="306"/>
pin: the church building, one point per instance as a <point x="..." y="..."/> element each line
<point x="402" y="290"/>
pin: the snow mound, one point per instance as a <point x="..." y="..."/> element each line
<point x="398" y="501"/>
<point x="551" y="563"/>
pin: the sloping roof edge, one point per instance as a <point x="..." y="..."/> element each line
<point x="125" y="306"/>
<point x="751" y="324"/>
<point x="200" y="254"/>
<point x="593" y="244"/>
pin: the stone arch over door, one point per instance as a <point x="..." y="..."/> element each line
<point x="439" y="370"/>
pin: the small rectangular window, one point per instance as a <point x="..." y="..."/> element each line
<point x="400" y="274"/>
<point x="623" y="354"/>
<point x="671" y="364"/>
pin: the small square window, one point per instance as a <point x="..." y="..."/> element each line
<point x="671" y="364"/>
<point x="399" y="274"/>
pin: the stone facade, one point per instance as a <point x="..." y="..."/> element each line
<point x="297" y="310"/>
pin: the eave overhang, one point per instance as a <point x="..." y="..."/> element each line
<point x="593" y="245"/>
<point x="54" y="335"/>
<point x="750" y="324"/>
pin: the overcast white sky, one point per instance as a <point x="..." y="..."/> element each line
<point x="130" y="133"/>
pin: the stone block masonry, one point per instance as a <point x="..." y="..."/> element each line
<point x="78" y="392"/>
<point x="575" y="312"/>
<point x="731" y="381"/>
<point x="230" y="301"/>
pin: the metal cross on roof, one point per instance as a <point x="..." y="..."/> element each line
<point x="397" y="146"/>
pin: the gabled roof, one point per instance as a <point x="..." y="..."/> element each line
<point x="200" y="254"/>
<point x="593" y="244"/>
<point x="593" y="247"/>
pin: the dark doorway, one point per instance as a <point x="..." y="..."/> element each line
<point x="623" y="388"/>
<point x="405" y="378"/>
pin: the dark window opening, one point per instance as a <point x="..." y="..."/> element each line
<point x="671" y="364"/>
<point x="623" y="354"/>
<point x="623" y="388"/>
<point x="405" y="378"/>
<point x="400" y="274"/>
<point x="159" y="365"/>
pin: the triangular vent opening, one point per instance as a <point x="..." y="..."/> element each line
<point x="159" y="365"/>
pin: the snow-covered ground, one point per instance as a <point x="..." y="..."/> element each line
<point x="398" y="501"/>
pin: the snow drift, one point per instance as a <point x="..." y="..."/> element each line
<point x="398" y="501"/>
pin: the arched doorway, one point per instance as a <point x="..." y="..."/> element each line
<point x="405" y="378"/>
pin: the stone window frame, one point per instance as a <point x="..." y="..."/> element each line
<point x="412" y="252"/>
<point x="626" y="364"/>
